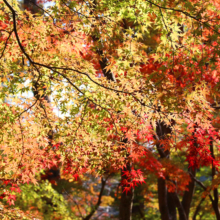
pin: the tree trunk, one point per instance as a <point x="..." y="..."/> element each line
<point x="181" y="211"/>
<point x="166" y="203"/>
<point x="169" y="201"/>
<point x="126" y="203"/>
<point x="215" y="191"/>
<point x="171" y="206"/>
<point x="30" y="2"/>
<point x="162" y="197"/>
<point x="188" y="195"/>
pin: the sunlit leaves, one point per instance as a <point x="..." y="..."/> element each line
<point x="165" y="62"/>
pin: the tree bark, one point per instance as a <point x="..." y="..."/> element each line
<point x="125" y="209"/>
<point x="171" y="206"/>
<point x="215" y="191"/>
<point x="181" y="211"/>
<point x="30" y="2"/>
<point x="162" y="197"/>
<point x="167" y="205"/>
<point x="188" y="195"/>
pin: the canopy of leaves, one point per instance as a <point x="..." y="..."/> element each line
<point x="116" y="72"/>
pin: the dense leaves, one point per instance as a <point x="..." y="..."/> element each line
<point x="102" y="87"/>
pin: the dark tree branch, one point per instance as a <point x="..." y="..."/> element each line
<point x="202" y="185"/>
<point x="198" y="208"/>
<point x="6" y="43"/>
<point x="185" y="13"/>
<point x="103" y="182"/>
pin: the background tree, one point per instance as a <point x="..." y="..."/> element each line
<point x="136" y="85"/>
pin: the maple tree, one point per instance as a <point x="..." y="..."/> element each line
<point x="136" y="87"/>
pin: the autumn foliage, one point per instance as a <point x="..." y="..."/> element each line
<point x="104" y="89"/>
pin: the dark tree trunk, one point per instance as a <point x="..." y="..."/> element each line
<point x="125" y="210"/>
<point x="216" y="209"/>
<point x="27" y="2"/>
<point x="31" y="5"/>
<point x="168" y="201"/>
<point x="181" y="211"/>
<point x="188" y="195"/>
<point x="215" y="191"/>
<point x="171" y="206"/>
<point x="162" y="197"/>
